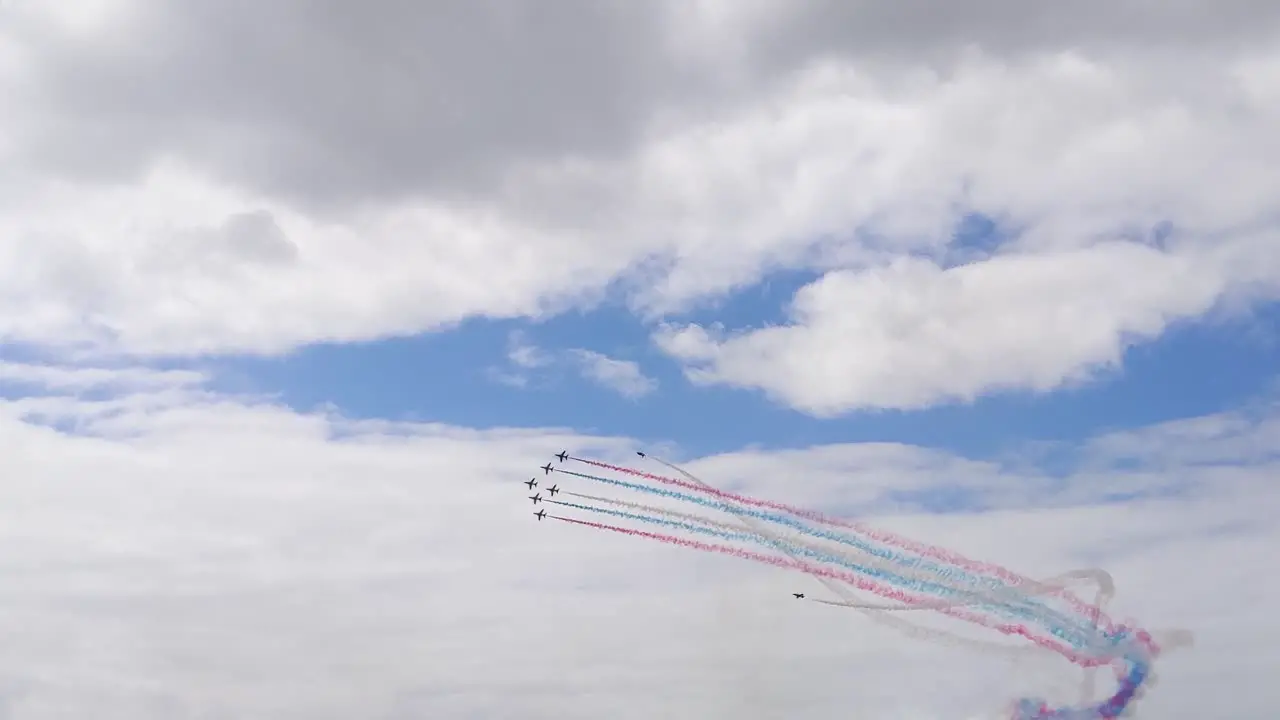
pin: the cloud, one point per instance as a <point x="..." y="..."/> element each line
<point x="525" y="355"/>
<point x="61" y="378"/>
<point x="913" y="334"/>
<point x="621" y="376"/>
<point x="528" y="362"/>
<point x="241" y="556"/>
<point x="711" y="144"/>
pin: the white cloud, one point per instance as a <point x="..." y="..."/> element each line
<point x="529" y="362"/>
<point x="912" y="334"/>
<point x="246" y="560"/>
<point x="85" y="378"/>
<point x="523" y="354"/>
<point x="819" y="156"/>
<point x="621" y="376"/>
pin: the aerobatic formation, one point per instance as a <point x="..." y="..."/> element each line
<point x="859" y="564"/>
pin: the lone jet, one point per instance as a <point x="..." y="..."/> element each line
<point x="540" y="514"/>
<point x="798" y="595"/>
<point x="546" y="469"/>
<point x="553" y="490"/>
<point x="531" y="483"/>
<point x="536" y="498"/>
<point x="562" y="455"/>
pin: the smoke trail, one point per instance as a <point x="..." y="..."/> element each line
<point x="873" y="561"/>
<point x="725" y="531"/>
<point x="928" y="550"/>
<point x="1130" y="681"/>
<point x="813" y="516"/>
<point x="1039" y="588"/>
<point x="879" y="613"/>
<point x="706" y="526"/>
<point x="1016" y="603"/>
<point x="847" y="577"/>
<point x="881" y="536"/>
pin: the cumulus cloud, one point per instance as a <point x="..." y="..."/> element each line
<point x="912" y="334"/>
<point x="245" y="559"/>
<point x="673" y="152"/>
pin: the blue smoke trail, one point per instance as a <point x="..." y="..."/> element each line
<point x="1071" y="635"/>
<point x="1022" y="607"/>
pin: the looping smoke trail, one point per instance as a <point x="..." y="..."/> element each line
<point x="847" y="556"/>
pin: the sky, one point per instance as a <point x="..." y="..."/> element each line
<point x="294" y="295"/>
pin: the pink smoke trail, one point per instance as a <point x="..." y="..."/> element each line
<point x="1043" y="587"/>
<point x="881" y="536"/>
<point x="854" y="580"/>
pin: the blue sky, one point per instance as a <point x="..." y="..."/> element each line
<point x="1195" y="368"/>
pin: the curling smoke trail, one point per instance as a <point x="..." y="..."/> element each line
<point x="913" y="575"/>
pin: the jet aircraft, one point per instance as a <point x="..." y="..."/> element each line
<point x="546" y="469"/>
<point x="531" y="483"/>
<point x="540" y="514"/>
<point x="536" y="498"/>
<point x="553" y="490"/>
<point x="798" y="595"/>
<point x="562" y="455"/>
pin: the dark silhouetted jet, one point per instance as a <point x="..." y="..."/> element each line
<point x="798" y="595"/>
<point x="540" y="514"/>
<point x="536" y="498"/>
<point x="531" y="483"/>
<point x="546" y="469"/>
<point x="553" y="490"/>
<point x="562" y="455"/>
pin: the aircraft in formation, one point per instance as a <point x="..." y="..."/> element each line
<point x="533" y="482"/>
<point x="546" y="470"/>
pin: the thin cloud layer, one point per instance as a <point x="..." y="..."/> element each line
<point x="528" y="364"/>
<point x="621" y="376"/>
<point x="188" y="554"/>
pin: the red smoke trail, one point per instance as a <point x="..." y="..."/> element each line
<point x="879" y="535"/>
<point x="849" y="578"/>
<point x="882" y="536"/>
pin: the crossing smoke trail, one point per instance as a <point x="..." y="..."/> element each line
<point x="850" y="558"/>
